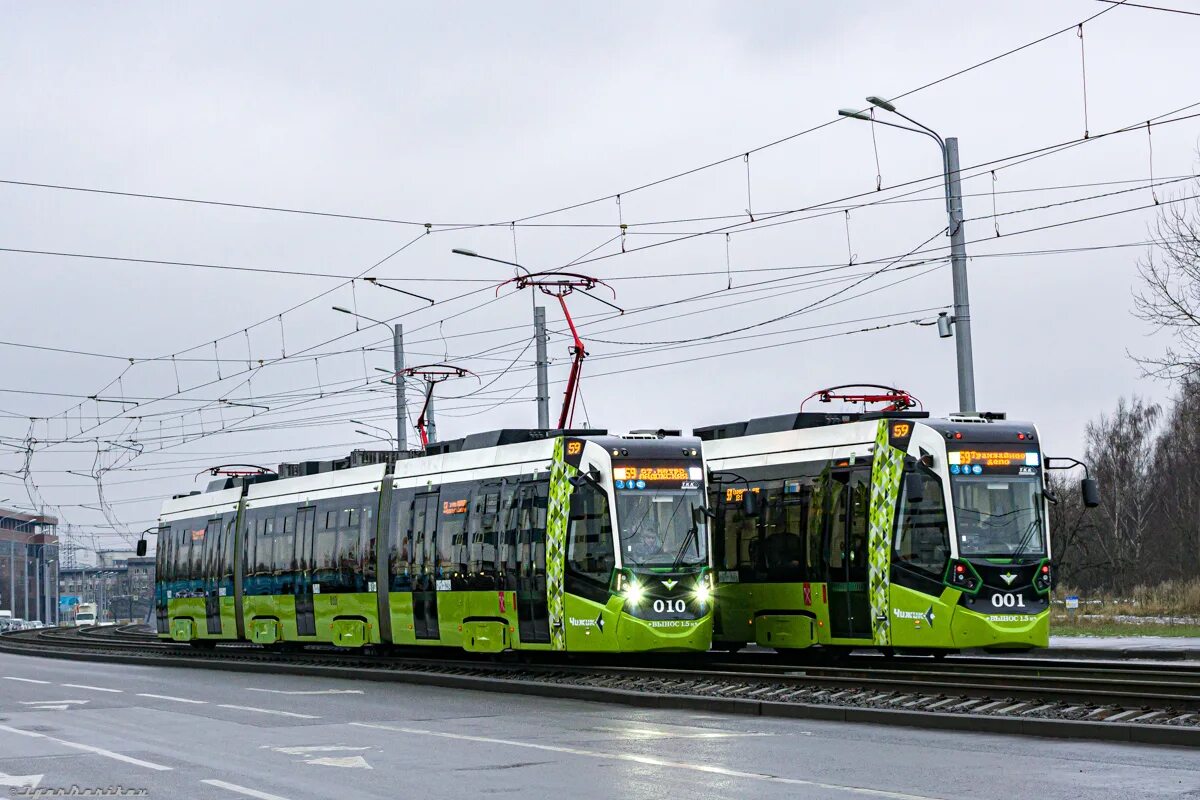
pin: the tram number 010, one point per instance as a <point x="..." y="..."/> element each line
<point x="1008" y="601"/>
<point x="668" y="606"/>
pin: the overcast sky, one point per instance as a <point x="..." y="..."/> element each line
<point x="471" y="113"/>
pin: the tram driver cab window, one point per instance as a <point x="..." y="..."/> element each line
<point x="589" y="538"/>
<point x="922" y="534"/>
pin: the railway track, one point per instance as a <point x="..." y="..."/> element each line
<point x="1102" y="700"/>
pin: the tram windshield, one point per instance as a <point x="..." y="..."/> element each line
<point x="999" y="516"/>
<point x="662" y="527"/>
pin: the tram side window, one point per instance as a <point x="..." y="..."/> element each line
<point x="283" y="561"/>
<point x="589" y="538"/>
<point x="483" y="524"/>
<point x="212" y="549"/>
<point x="922" y="533"/>
<point x="228" y="538"/>
<point x="367" y="532"/>
<point x="509" y="515"/>
<point x="400" y="551"/>
<point x="785" y="526"/>
<point x="325" y="547"/>
<point x="183" y="552"/>
<point x="452" y="532"/>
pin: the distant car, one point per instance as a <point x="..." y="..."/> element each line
<point x="85" y="615"/>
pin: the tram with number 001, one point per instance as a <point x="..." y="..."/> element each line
<point x="885" y="530"/>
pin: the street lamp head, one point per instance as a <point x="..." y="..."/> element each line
<point x="458" y="251"/>
<point x="879" y="102"/>
<point x="850" y="112"/>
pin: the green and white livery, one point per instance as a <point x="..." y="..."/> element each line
<point x="510" y="540"/>
<point x="888" y="530"/>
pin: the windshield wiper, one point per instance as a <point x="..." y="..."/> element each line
<point x="691" y="534"/>
<point x="1026" y="539"/>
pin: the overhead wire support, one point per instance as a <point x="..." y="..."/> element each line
<point x="559" y="285"/>
<point x="432" y="375"/>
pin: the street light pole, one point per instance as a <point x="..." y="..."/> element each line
<point x="958" y="245"/>
<point x="397" y="332"/>
<point x="401" y="401"/>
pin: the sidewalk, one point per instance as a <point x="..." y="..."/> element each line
<point x="1169" y="648"/>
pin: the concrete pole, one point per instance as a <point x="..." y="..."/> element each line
<point x="543" y="386"/>
<point x="958" y="271"/>
<point x="401" y="407"/>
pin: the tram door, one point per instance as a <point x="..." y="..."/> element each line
<point x="306" y="622"/>
<point x="423" y="534"/>
<point x="212" y="575"/>
<point x="533" y="612"/>
<point x="849" y="499"/>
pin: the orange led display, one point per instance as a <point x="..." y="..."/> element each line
<point x="450" y="507"/>
<point x="992" y="458"/>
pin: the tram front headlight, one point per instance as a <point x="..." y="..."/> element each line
<point x="703" y="592"/>
<point x="634" y="593"/>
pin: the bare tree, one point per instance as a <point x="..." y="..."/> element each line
<point x="1121" y="449"/>
<point x="1170" y="297"/>
<point x="1177" y="470"/>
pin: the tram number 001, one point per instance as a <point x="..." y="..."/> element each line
<point x="1008" y="601"/>
<point x="670" y="606"/>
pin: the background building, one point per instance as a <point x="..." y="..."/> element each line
<point x="29" y="565"/>
<point x="121" y="585"/>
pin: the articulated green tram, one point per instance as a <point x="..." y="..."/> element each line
<point x="509" y="540"/>
<point x="880" y="530"/>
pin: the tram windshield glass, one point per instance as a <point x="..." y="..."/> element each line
<point x="999" y="516"/>
<point x="662" y="527"/>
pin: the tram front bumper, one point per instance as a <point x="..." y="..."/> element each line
<point x="650" y="635"/>
<point x="999" y="631"/>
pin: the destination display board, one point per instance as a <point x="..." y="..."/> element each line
<point x="658" y="475"/>
<point x="993" y="462"/>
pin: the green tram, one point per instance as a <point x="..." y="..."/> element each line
<point x="886" y="530"/>
<point x="509" y="540"/>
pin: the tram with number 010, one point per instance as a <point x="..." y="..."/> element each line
<point x="509" y="540"/>
<point x="887" y="530"/>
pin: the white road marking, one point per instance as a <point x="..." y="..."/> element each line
<point x="169" y="697"/>
<point x="233" y="787"/>
<point x="353" y="762"/>
<point x="24" y="680"/>
<point x="92" y="688"/>
<point x="52" y="705"/>
<point x="270" y="711"/>
<point x="318" y="748"/>
<point x="19" y="781"/>
<point x="711" y="769"/>
<point x="320" y="691"/>
<point x="649" y="733"/>
<point x="87" y="748"/>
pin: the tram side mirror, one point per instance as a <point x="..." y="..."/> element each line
<point x="750" y="503"/>
<point x="914" y="487"/>
<point x="141" y="547"/>
<point x="1090" y="491"/>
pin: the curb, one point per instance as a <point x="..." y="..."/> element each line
<point x="973" y="723"/>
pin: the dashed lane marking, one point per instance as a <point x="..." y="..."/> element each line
<point x="233" y="787"/>
<point x="87" y="748"/>
<point x="24" y="680"/>
<point x="270" y="711"/>
<point x="318" y="691"/>
<point x="91" y="688"/>
<point x="173" y="699"/>
<point x="711" y="769"/>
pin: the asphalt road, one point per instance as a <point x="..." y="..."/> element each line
<point x="178" y="733"/>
